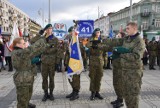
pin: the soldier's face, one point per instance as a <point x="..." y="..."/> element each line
<point x="98" y="33"/>
<point x="21" y="44"/>
<point x="49" y="30"/>
<point x="131" y="30"/>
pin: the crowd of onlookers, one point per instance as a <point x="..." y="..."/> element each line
<point x="5" y="55"/>
<point x="151" y="55"/>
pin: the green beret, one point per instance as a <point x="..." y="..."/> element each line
<point x="70" y="29"/>
<point x="47" y="26"/>
<point x="97" y="29"/>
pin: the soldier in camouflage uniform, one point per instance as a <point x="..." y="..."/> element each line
<point x="24" y="76"/>
<point x="152" y="50"/>
<point x="105" y="58"/>
<point x="67" y="54"/>
<point x="48" y="59"/>
<point x="75" y="83"/>
<point x="158" y="53"/>
<point x="34" y="71"/>
<point x="84" y="55"/>
<point x="95" y="65"/>
<point x="130" y="50"/>
<point x="117" y="77"/>
<point x="60" y="55"/>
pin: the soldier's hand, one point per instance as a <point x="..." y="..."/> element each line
<point x="41" y="32"/>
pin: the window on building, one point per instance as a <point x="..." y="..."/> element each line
<point x="145" y="24"/>
<point x="145" y="10"/>
<point x="158" y="9"/>
<point x="157" y="23"/>
<point x="7" y="29"/>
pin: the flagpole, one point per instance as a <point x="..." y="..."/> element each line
<point x="130" y="10"/>
<point x="98" y="17"/>
<point x="49" y="19"/>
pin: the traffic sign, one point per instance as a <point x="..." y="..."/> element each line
<point x="60" y="30"/>
<point x="85" y="28"/>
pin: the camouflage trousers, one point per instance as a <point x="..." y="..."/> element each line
<point x="117" y="81"/>
<point x="24" y="94"/>
<point x="105" y="58"/>
<point x="152" y="60"/>
<point x="158" y="60"/>
<point x="85" y="62"/>
<point x="131" y="85"/>
<point x="48" y="70"/>
<point x="95" y="74"/>
<point x="66" y="58"/>
<point x="75" y="84"/>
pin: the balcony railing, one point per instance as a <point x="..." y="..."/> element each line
<point x="145" y="14"/>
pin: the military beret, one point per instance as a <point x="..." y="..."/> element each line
<point x="70" y="29"/>
<point x="97" y="29"/>
<point x="47" y="26"/>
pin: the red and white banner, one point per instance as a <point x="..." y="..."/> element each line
<point x="15" y="34"/>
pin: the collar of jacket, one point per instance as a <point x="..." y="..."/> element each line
<point x="134" y="36"/>
<point x="17" y="48"/>
<point x="50" y="36"/>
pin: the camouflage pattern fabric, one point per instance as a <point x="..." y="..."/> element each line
<point x="84" y="55"/>
<point x="131" y="64"/>
<point x="158" y="52"/>
<point x="117" y="78"/>
<point x="48" y="59"/>
<point x="96" y="63"/>
<point x="152" y="50"/>
<point x="24" y="76"/>
<point x="105" y="58"/>
<point x="75" y="84"/>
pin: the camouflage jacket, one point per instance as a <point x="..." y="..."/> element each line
<point x="158" y="48"/>
<point x="21" y="60"/>
<point x="83" y="52"/>
<point x="135" y="44"/>
<point x="60" y="52"/>
<point x="96" y="54"/>
<point x="50" y="54"/>
<point x="152" y="48"/>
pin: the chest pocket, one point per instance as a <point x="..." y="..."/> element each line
<point x="130" y="44"/>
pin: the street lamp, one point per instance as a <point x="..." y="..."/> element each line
<point x="49" y="19"/>
<point x="130" y="10"/>
<point x="41" y="13"/>
<point x="99" y="11"/>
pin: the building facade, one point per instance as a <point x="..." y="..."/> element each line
<point x="34" y="27"/>
<point x="146" y="13"/>
<point x="10" y="14"/>
<point x="7" y="14"/>
<point x="103" y="24"/>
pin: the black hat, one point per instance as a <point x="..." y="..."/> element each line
<point x="70" y="29"/>
<point x="97" y="29"/>
<point x="47" y="26"/>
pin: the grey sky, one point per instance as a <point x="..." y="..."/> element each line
<point x="64" y="11"/>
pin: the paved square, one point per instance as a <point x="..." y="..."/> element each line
<point x="150" y="92"/>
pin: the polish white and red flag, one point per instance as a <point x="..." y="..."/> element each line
<point x="15" y="34"/>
